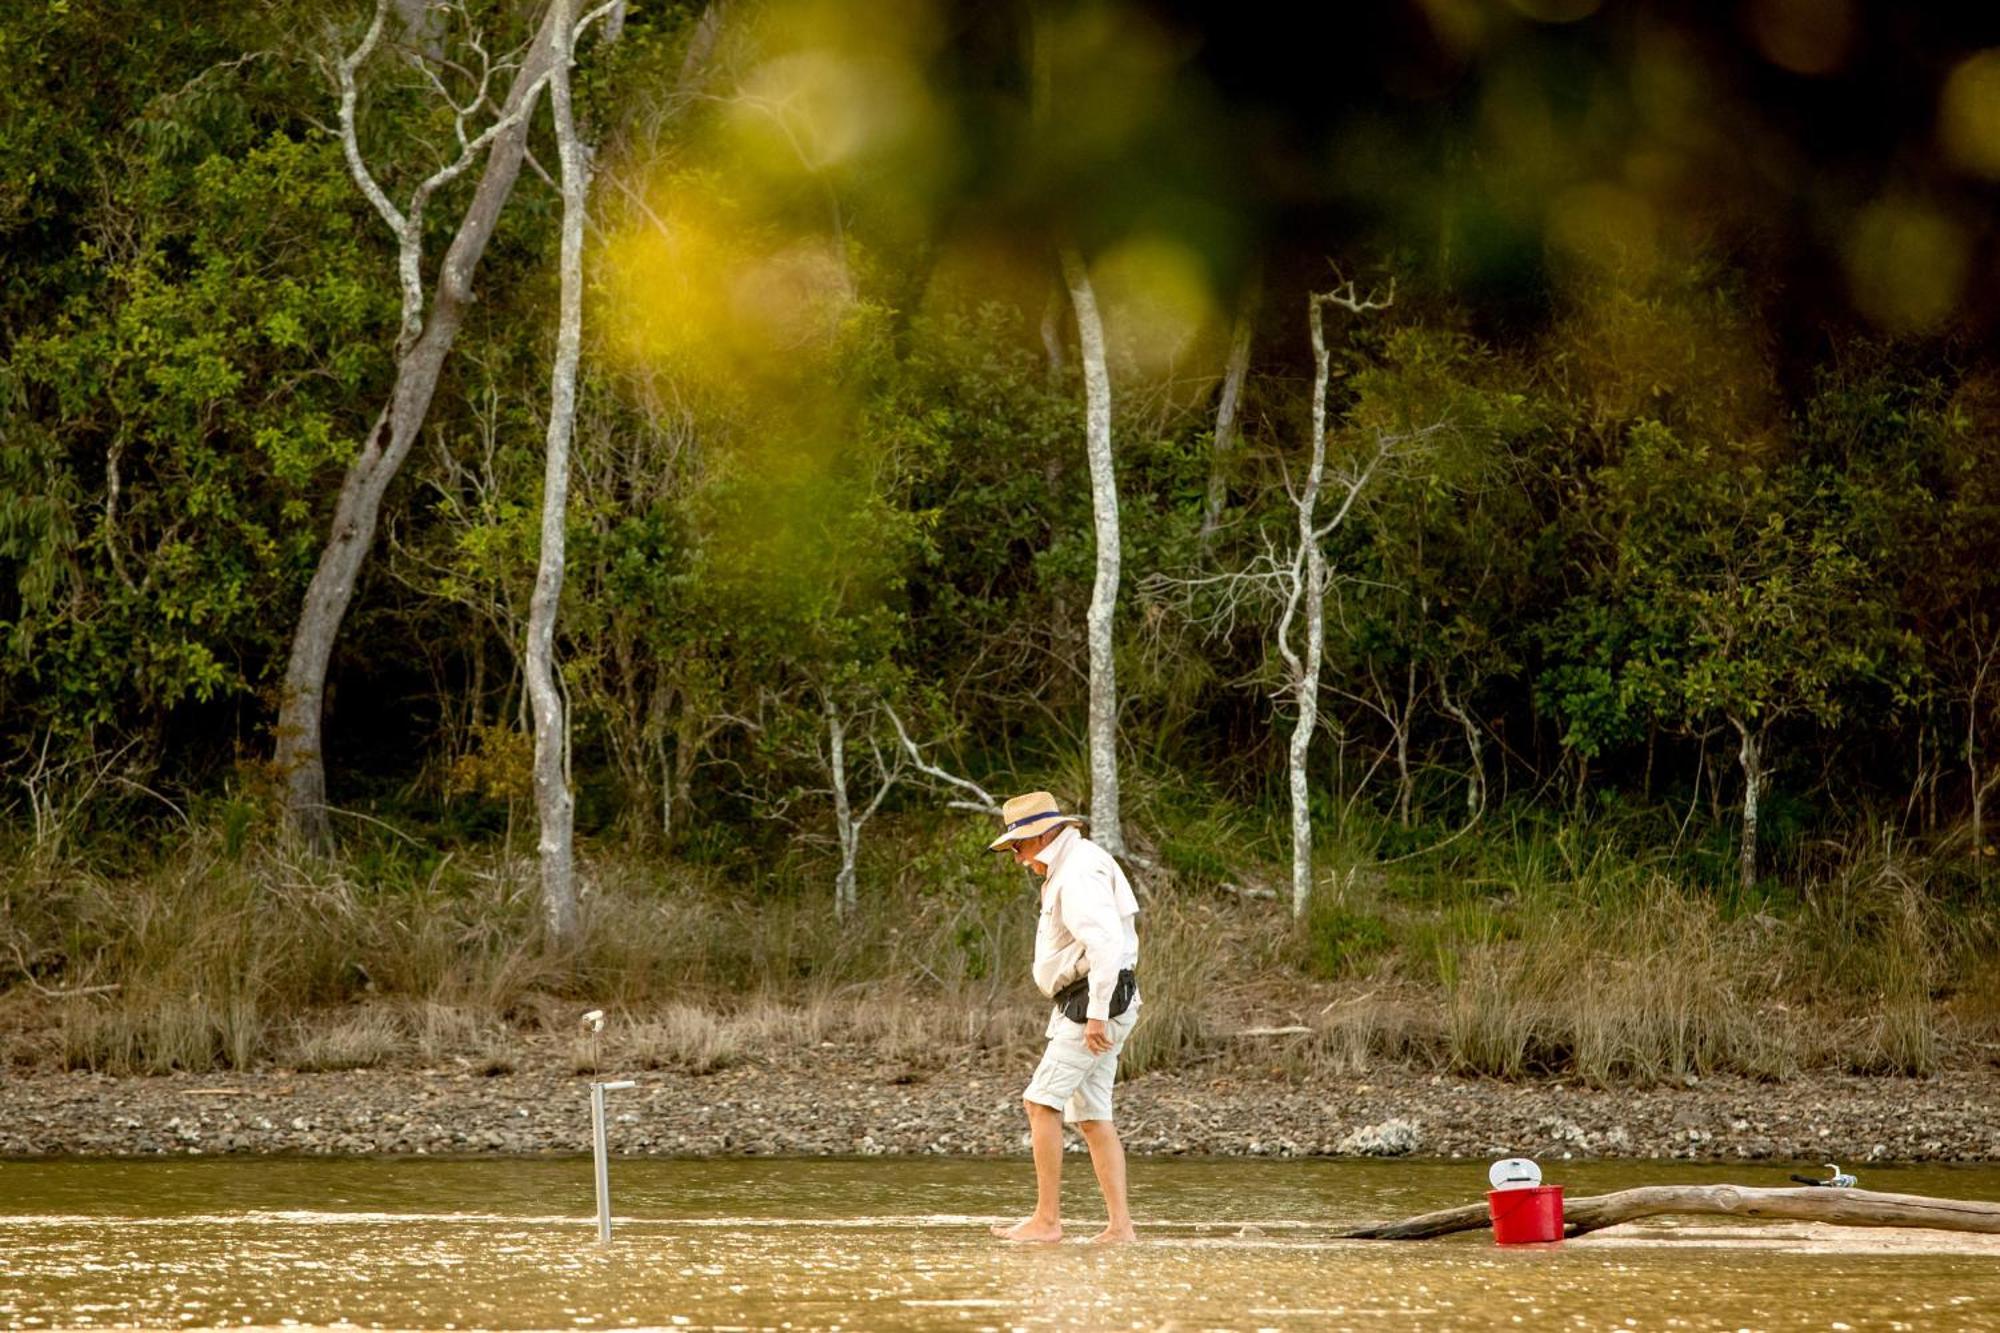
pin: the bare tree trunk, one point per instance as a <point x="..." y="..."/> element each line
<point x="847" y="824"/>
<point x="1234" y="373"/>
<point x="1475" y="781"/>
<point x="1105" y="828"/>
<point x="1305" y="589"/>
<point x="1751" y="759"/>
<point x="553" y="803"/>
<point x="421" y="351"/>
<point x="843" y="812"/>
<point x="1841" y="1207"/>
<point x="1307" y="584"/>
<point x="701" y="47"/>
<point x="691" y="732"/>
<point x="1406" y="783"/>
<point x="1979" y="786"/>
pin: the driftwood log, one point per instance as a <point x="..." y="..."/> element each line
<point x="1844" y="1207"/>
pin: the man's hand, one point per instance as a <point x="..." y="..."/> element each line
<point x="1096" y="1037"/>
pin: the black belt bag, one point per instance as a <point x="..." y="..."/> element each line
<point x="1074" y="999"/>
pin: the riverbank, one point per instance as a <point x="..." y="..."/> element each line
<point x="837" y="1102"/>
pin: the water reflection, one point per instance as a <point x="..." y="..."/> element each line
<point x="883" y="1244"/>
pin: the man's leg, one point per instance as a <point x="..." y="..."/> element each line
<point x="1107" y="1157"/>
<point x="1045" y="1131"/>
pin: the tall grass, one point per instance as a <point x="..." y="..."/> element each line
<point x="1181" y="972"/>
<point x="1660" y="987"/>
<point x="203" y="961"/>
<point x="1542" y="946"/>
<point x="1563" y="950"/>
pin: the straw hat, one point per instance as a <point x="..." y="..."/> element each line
<point x="1029" y="816"/>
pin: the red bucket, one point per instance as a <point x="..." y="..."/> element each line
<point x="1529" y="1216"/>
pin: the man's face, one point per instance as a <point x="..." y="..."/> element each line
<point x="1027" y="852"/>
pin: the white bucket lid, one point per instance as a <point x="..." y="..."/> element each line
<point x="1514" y="1173"/>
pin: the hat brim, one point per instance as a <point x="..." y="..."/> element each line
<point x="1034" y="831"/>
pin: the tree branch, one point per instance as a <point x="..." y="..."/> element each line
<point x="986" y="804"/>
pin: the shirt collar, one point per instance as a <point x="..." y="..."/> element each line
<point x="1053" y="854"/>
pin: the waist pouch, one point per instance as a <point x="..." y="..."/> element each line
<point x="1074" y="999"/>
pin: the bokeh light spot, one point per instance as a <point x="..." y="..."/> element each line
<point x="814" y="110"/>
<point x="1459" y="25"/>
<point x="1157" y="297"/>
<point x="1803" y="36"/>
<point x="1969" y="114"/>
<point x="1906" y="265"/>
<point x="1556" y="11"/>
<point x="1605" y="226"/>
<point x="685" y="285"/>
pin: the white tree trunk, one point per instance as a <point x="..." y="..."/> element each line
<point x="1406" y="783"/>
<point x="847" y="823"/>
<point x="420" y="355"/>
<point x="423" y="27"/>
<point x="1753" y="791"/>
<point x="554" y="805"/>
<point x="1306" y="592"/>
<point x="843" y="811"/>
<point x="1105" y="828"/>
<point x="1305" y="586"/>
<point x="1475" y="780"/>
<point x="1226" y="409"/>
<point x="1305" y="700"/>
<point x="1975" y="698"/>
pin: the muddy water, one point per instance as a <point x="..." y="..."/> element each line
<point x="901" y="1244"/>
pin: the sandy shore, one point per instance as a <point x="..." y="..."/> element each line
<point x="853" y="1103"/>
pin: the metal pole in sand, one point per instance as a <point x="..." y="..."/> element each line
<point x="602" y="1156"/>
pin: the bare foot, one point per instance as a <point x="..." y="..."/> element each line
<point x="1031" y="1229"/>
<point x="1115" y="1236"/>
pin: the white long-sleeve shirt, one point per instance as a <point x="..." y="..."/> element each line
<point x="1086" y="924"/>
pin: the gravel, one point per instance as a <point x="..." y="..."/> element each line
<point x="853" y="1103"/>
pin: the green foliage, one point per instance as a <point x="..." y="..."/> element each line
<point x="205" y="382"/>
<point x="1341" y="941"/>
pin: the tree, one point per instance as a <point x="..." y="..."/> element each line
<point x="1295" y="581"/>
<point x="1437" y="570"/>
<point x="424" y="340"/>
<point x="1303" y="580"/>
<point x="847" y="823"/>
<point x="166" y="423"/>
<point x="554" y="804"/>
<point x="1105" y="827"/>
<point x="1229" y="405"/>
<point x="1732" y="596"/>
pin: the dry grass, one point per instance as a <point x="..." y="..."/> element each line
<point x="363" y="1038"/>
<point x="1664" y="989"/>
<point x="1561" y="959"/>
<point x="1396" y="1025"/>
<point x="685" y="1038"/>
<point x="1181" y="973"/>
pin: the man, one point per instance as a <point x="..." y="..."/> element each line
<point x="1085" y="939"/>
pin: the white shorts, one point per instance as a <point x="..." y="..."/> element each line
<point x="1072" y="1080"/>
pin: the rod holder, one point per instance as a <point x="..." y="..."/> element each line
<point x="601" y="1155"/>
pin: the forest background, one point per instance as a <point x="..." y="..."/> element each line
<point x="1655" y="729"/>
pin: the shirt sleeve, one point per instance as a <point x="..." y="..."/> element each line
<point x="1090" y="912"/>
